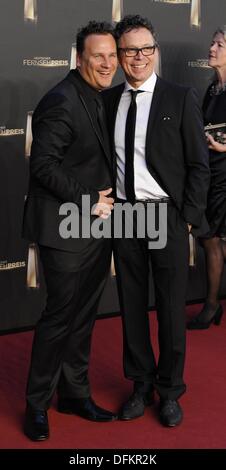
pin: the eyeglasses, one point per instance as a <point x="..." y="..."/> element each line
<point x="134" y="51"/>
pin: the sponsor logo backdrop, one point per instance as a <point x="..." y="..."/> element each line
<point x="37" y="49"/>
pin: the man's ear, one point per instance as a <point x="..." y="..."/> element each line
<point x="78" y="60"/>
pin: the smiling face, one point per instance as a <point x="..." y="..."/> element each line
<point x="139" y="68"/>
<point x="217" y="52"/>
<point x="98" y="61"/>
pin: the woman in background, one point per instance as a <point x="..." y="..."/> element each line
<point x="214" y="111"/>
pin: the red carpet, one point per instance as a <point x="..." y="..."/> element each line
<point x="204" y="404"/>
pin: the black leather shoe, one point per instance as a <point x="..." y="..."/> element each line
<point x="135" y="406"/>
<point x="36" y="425"/>
<point x="170" y="413"/>
<point x="86" y="408"/>
<point x="197" y="323"/>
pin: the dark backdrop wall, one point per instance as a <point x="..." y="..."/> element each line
<point x="37" y="49"/>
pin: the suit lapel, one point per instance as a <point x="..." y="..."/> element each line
<point x="95" y="126"/>
<point x="112" y="120"/>
<point x="114" y="109"/>
<point x="154" y="111"/>
<point x="85" y="99"/>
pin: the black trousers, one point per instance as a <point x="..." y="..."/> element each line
<point x="61" y="346"/>
<point x="170" y="272"/>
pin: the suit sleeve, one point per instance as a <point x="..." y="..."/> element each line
<point x="53" y="133"/>
<point x="196" y="160"/>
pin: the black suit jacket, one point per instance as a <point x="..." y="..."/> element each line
<point x="176" y="150"/>
<point x="70" y="157"/>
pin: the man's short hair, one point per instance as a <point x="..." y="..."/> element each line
<point x="93" y="27"/>
<point x="130" y="22"/>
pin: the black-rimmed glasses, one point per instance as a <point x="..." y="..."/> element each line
<point x="134" y="51"/>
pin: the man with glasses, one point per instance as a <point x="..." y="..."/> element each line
<point x="160" y="157"/>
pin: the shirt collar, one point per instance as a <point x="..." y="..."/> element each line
<point x="149" y="85"/>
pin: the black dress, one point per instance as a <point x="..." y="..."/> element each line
<point x="214" y="111"/>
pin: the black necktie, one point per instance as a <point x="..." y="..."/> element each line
<point x="101" y="118"/>
<point x="129" y="147"/>
<point x="102" y="124"/>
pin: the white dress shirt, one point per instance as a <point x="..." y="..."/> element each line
<point x="145" y="185"/>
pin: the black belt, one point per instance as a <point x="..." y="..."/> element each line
<point x="166" y="200"/>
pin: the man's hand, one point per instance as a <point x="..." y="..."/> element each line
<point x="104" y="205"/>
